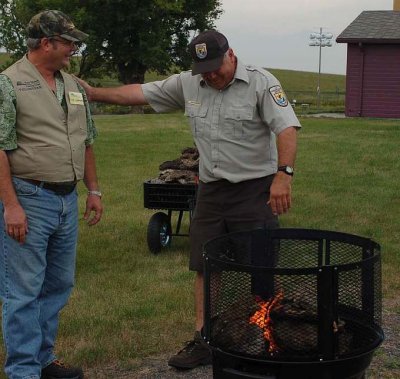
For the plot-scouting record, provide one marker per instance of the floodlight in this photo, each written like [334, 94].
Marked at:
[321, 40]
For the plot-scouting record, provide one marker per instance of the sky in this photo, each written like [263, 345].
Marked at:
[275, 33]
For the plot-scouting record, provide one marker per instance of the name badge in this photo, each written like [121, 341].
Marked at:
[75, 98]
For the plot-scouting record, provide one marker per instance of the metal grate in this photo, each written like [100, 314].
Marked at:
[317, 295]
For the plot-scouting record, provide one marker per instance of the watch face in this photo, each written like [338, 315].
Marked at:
[286, 169]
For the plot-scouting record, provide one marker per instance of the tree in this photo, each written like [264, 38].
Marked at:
[125, 36]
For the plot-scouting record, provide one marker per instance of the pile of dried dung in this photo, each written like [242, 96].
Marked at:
[183, 170]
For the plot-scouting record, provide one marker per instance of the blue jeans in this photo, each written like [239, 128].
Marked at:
[36, 278]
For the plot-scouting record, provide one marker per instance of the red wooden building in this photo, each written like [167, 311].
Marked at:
[373, 64]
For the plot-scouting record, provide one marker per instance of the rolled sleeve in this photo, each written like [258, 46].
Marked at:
[277, 115]
[165, 95]
[8, 132]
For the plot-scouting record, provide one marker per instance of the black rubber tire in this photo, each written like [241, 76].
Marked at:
[159, 232]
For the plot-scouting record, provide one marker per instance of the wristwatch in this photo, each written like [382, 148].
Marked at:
[287, 170]
[96, 193]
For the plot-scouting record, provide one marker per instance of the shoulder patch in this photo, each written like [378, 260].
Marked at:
[278, 95]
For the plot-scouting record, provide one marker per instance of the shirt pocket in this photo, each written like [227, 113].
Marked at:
[237, 119]
[197, 117]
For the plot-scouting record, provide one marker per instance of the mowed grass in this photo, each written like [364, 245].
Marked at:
[129, 304]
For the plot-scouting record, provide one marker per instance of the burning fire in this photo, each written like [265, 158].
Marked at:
[263, 320]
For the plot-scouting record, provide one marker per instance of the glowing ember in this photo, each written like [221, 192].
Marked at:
[263, 320]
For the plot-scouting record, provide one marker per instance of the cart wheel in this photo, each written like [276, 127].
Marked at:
[159, 232]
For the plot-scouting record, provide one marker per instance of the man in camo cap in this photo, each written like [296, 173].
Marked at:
[46, 137]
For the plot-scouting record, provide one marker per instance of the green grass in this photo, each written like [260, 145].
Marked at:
[130, 304]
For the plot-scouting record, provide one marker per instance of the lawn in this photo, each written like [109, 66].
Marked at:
[129, 304]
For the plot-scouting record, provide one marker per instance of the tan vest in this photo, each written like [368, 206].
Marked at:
[51, 144]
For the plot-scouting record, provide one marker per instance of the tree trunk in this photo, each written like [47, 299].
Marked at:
[132, 73]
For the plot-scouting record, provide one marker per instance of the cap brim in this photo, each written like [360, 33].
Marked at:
[75, 35]
[207, 66]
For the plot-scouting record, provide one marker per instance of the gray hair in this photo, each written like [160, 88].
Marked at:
[33, 43]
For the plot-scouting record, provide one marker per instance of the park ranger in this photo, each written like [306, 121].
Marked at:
[245, 131]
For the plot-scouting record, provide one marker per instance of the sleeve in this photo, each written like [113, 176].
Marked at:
[91, 128]
[165, 95]
[275, 109]
[8, 114]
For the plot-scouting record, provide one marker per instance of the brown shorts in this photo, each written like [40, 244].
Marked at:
[223, 207]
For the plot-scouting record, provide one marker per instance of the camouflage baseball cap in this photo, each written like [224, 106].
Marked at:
[52, 23]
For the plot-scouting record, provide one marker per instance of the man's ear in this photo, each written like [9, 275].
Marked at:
[45, 43]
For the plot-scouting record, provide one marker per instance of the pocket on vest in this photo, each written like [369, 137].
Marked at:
[43, 160]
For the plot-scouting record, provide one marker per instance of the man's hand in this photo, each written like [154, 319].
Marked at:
[94, 210]
[16, 223]
[87, 87]
[280, 198]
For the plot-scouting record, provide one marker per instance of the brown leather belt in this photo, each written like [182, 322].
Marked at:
[62, 188]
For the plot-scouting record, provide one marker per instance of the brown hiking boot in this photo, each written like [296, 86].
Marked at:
[195, 353]
[57, 370]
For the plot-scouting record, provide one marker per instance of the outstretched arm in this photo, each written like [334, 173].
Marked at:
[130, 94]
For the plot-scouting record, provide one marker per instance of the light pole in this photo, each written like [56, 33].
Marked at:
[321, 40]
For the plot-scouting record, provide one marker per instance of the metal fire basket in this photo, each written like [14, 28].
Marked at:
[292, 304]
[172, 197]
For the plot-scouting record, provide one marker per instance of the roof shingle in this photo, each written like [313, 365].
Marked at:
[373, 27]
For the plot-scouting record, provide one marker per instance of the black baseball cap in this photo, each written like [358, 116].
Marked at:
[207, 51]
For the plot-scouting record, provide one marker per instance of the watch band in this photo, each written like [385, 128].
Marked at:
[288, 170]
[96, 193]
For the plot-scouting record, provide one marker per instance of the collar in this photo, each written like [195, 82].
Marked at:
[241, 72]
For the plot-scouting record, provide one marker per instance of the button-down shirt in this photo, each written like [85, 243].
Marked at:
[8, 114]
[234, 128]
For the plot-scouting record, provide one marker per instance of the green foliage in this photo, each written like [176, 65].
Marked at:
[126, 36]
[11, 28]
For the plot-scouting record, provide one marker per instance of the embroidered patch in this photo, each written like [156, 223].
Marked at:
[278, 95]
[201, 50]
[30, 85]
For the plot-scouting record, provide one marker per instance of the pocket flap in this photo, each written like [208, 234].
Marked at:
[192, 110]
[239, 113]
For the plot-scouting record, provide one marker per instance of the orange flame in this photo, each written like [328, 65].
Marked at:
[263, 320]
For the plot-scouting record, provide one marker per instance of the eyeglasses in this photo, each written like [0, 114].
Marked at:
[71, 44]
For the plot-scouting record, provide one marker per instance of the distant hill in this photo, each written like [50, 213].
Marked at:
[292, 81]
[302, 81]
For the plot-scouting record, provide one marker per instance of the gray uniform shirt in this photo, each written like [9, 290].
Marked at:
[234, 129]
